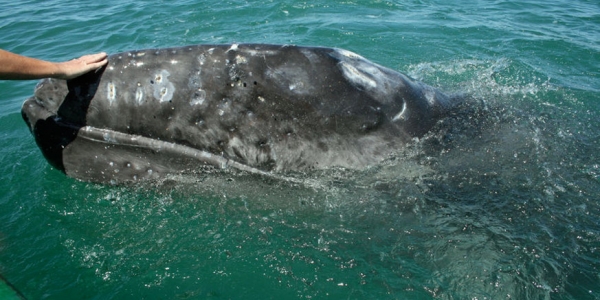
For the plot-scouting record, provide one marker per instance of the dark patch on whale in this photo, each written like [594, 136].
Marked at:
[266, 109]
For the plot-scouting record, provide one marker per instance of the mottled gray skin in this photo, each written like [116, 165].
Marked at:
[266, 109]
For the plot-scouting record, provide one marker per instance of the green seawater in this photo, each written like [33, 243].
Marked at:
[498, 202]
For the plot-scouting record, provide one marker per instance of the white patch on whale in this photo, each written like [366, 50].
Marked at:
[434, 98]
[109, 138]
[111, 92]
[202, 59]
[430, 96]
[402, 115]
[362, 73]
[198, 97]
[358, 77]
[297, 85]
[163, 88]
[313, 58]
[349, 54]
[241, 60]
[139, 95]
[233, 47]
[291, 77]
[259, 52]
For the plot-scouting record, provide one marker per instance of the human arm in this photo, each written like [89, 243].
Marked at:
[16, 67]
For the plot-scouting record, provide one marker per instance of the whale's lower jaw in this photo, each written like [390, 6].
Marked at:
[105, 156]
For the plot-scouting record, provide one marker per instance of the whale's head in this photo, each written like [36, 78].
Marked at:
[56, 112]
[260, 107]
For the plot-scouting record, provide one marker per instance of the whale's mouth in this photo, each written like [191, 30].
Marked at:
[51, 135]
[26, 113]
[49, 95]
[47, 116]
[33, 110]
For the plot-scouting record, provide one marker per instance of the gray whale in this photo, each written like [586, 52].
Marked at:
[266, 109]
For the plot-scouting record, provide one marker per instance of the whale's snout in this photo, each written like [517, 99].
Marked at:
[33, 111]
[48, 96]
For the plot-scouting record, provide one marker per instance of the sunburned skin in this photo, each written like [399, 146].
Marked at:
[267, 109]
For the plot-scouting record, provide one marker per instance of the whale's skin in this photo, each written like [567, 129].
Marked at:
[267, 109]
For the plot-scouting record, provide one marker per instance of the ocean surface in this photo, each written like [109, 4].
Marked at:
[499, 201]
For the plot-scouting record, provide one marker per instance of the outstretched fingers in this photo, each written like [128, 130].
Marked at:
[82, 65]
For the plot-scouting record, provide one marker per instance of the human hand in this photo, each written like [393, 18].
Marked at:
[79, 66]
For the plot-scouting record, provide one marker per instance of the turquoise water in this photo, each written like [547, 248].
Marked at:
[499, 202]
